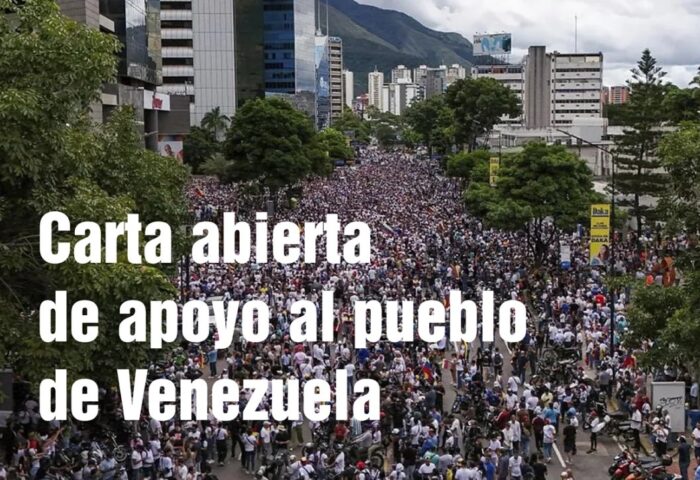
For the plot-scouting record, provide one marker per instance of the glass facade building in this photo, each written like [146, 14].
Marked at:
[323, 82]
[249, 51]
[137, 24]
[289, 46]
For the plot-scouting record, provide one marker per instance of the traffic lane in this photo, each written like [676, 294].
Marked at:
[593, 466]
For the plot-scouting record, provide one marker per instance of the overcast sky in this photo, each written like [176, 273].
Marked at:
[620, 29]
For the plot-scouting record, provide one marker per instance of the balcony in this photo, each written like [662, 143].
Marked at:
[178, 71]
[178, 52]
[176, 33]
[176, 15]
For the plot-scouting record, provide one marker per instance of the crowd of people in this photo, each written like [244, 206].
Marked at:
[486, 410]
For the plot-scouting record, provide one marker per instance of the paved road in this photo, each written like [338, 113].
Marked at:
[584, 466]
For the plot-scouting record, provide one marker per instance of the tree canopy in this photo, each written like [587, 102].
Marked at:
[478, 104]
[271, 143]
[539, 185]
[54, 158]
[638, 165]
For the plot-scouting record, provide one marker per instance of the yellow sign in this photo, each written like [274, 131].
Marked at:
[600, 234]
[494, 165]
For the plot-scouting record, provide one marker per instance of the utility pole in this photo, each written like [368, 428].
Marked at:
[611, 273]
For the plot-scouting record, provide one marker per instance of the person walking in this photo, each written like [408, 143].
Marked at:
[683, 457]
[548, 433]
[570, 441]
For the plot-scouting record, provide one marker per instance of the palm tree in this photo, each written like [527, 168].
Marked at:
[216, 122]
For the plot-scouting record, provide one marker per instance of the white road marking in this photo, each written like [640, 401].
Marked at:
[558, 454]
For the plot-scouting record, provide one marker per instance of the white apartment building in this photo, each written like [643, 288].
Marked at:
[576, 85]
[375, 85]
[455, 72]
[397, 97]
[349, 88]
[401, 74]
[554, 88]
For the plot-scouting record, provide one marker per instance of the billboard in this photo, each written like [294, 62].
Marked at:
[670, 396]
[171, 146]
[493, 44]
[600, 234]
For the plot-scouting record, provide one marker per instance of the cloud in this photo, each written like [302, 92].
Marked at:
[620, 29]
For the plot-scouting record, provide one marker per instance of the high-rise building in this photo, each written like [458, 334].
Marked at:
[555, 88]
[214, 58]
[455, 72]
[401, 74]
[435, 81]
[137, 26]
[323, 82]
[420, 75]
[576, 84]
[199, 59]
[616, 95]
[510, 76]
[349, 88]
[289, 46]
[249, 52]
[335, 46]
[399, 96]
[375, 85]
[178, 52]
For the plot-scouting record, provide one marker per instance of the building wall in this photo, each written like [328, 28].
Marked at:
[375, 85]
[536, 94]
[178, 54]
[83, 11]
[349, 88]
[435, 81]
[249, 50]
[323, 81]
[576, 85]
[214, 58]
[401, 74]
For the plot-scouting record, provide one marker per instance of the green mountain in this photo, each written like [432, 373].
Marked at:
[385, 38]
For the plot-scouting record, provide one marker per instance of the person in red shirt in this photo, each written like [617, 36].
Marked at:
[341, 431]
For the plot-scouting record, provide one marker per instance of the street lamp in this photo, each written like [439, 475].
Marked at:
[612, 240]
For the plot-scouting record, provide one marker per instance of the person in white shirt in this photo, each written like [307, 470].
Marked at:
[137, 463]
[266, 438]
[166, 466]
[514, 466]
[548, 432]
[339, 463]
[427, 468]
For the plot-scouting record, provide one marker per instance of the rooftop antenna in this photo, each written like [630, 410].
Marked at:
[575, 33]
[328, 32]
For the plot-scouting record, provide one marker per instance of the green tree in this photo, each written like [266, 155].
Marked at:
[680, 154]
[462, 164]
[682, 104]
[216, 165]
[638, 165]
[335, 144]
[352, 125]
[539, 186]
[269, 142]
[54, 158]
[478, 104]
[216, 122]
[200, 145]
[429, 119]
